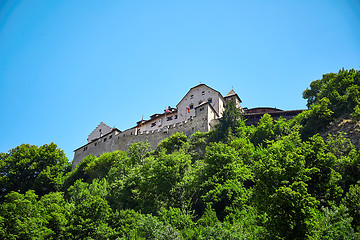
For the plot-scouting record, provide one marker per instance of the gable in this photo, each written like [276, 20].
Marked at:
[101, 130]
[193, 90]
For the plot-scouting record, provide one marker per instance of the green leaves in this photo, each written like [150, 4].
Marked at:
[341, 89]
[28, 167]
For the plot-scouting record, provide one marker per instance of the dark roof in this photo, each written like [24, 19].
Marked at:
[265, 109]
[202, 84]
[282, 112]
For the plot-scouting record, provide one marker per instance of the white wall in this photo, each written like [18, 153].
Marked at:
[160, 122]
[99, 131]
[196, 95]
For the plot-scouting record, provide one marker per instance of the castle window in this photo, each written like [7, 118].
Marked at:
[95, 144]
[100, 130]
[153, 124]
[169, 118]
[203, 93]
[191, 106]
[210, 100]
[175, 116]
[110, 137]
[104, 139]
[192, 96]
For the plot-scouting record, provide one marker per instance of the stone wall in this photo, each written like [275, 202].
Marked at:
[121, 141]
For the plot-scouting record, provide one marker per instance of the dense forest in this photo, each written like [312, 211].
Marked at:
[277, 180]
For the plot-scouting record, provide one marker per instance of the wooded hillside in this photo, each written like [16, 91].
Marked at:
[277, 180]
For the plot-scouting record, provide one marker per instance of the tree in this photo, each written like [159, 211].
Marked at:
[27, 167]
[228, 123]
[352, 202]
[222, 179]
[91, 216]
[342, 90]
[173, 143]
[22, 217]
[280, 190]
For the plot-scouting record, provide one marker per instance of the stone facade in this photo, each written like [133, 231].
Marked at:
[204, 120]
[198, 111]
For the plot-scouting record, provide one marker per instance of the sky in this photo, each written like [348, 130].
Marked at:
[66, 66]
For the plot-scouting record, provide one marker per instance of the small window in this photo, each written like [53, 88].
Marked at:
[175, 116]
[105, 139]
[153, 124]
[210, 100]
[95, 144]
[203, 93]
[192, 96]
[191, 106]
[110, 137]
[100, 130]
[169, 118]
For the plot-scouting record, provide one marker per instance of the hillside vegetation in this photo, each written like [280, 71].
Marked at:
[277, 180]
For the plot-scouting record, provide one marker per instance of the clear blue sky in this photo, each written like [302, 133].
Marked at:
[67, 65]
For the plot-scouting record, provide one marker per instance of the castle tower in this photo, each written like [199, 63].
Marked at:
[232, 96]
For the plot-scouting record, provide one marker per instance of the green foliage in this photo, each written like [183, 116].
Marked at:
[138, 151]
[314, 120]
[92, 213]
[352, 202]
[22, 218]
[30, 167]
[231, 116]
[356, 113]
[173, 143]
[342, 90]
[228, 123]
[324, 178]
[334, 223]
[280, 190]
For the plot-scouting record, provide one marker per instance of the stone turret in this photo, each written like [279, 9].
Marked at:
[232, 96]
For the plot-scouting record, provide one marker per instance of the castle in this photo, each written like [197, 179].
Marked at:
[198, 111]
